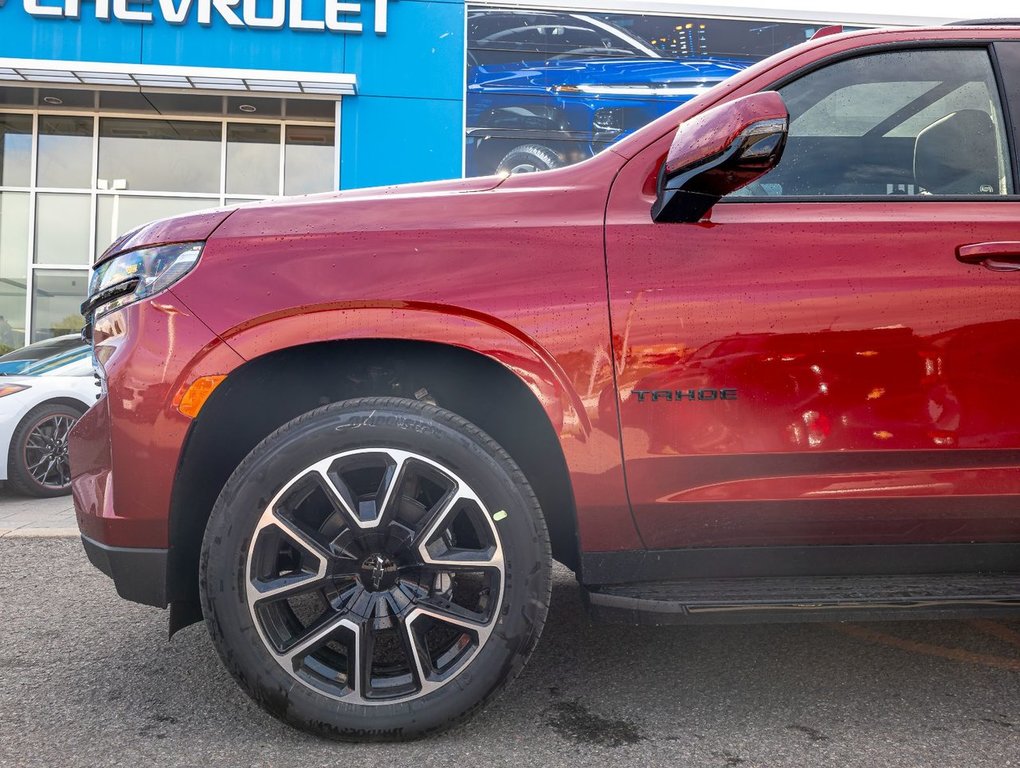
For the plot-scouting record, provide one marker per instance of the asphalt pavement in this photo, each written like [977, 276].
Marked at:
[89, 680]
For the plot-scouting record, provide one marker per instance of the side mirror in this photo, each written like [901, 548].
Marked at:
[718, 152]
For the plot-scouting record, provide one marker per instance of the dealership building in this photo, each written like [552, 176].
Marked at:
[116, 112]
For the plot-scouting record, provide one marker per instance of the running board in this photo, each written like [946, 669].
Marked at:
[799, 598]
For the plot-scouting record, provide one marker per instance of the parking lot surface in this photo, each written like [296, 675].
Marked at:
[89, 680]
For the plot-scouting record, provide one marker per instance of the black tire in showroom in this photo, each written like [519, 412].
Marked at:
[529, 158]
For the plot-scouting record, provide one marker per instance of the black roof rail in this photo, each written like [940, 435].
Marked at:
[985, 23]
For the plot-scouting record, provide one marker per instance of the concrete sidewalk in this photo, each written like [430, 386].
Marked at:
[25, 517]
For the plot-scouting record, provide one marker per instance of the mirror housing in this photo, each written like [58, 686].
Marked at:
[718, 152]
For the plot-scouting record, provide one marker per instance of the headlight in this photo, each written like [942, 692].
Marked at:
[138, 274]
[608, 123]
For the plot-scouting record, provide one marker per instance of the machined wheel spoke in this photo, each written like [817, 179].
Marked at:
[344, 499]
[363, 659]
[468, 560]
[418, 656]
[315, 548]
[286, 587]
[446, 615]
[440, 518]
[339, 495]
[318, 637]
[395, 481]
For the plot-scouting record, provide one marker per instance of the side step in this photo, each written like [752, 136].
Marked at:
[800, 598]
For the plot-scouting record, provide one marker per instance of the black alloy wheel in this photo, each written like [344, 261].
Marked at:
[37, 463]
[359, 561]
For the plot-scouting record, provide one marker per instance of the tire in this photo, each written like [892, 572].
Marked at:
[42, 437]
[529, 158]
[375, 570]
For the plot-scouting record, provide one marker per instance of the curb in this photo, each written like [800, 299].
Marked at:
[39, 533]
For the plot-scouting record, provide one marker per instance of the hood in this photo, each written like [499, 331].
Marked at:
[202, 224]
[423, 189]
[603, 71]
[366, 207]
[175, 229]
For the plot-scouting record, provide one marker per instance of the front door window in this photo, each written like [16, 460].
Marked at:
[916, 123]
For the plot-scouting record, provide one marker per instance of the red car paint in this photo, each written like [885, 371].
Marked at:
[873, 368]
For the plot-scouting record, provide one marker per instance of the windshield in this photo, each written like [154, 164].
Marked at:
[74, 362]
[43, 349]
[522, 35]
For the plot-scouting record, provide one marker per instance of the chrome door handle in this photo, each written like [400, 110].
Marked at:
[998, 257]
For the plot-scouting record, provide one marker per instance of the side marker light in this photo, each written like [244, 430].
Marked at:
[190, 399]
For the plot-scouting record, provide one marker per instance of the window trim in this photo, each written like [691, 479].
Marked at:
[1008, 106]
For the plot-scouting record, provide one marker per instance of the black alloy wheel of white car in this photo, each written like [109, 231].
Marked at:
[376, 569]
[37, 460]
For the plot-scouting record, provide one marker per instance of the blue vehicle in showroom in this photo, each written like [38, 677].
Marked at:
[548, 89]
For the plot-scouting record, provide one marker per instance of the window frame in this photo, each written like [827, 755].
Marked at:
[1009, 92]
[1010, 125]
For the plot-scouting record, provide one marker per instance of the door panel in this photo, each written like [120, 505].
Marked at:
[846, 369]
[820, 371]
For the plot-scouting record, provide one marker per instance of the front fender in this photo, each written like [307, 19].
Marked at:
[425, 322]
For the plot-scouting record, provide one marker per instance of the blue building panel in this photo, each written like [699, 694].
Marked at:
[220, 45]
[87, 39]
[391, 140]
[420, 56]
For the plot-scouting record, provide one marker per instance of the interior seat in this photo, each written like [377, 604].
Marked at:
[958, 155]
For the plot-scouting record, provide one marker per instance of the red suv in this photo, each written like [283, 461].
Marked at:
[757, 367]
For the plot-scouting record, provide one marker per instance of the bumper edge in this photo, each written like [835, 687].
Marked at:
[139, 574]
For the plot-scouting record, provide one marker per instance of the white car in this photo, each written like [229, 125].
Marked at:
[38, 407]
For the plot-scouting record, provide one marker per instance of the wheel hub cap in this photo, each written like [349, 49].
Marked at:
[378, 573]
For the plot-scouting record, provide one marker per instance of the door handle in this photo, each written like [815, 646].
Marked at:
[998, 257]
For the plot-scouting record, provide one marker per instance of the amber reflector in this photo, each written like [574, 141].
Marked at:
[191, 398]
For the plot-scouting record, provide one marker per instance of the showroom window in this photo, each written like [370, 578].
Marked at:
[911, 123]
[73, 179]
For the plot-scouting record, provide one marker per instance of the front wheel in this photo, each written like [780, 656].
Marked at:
[375, 569]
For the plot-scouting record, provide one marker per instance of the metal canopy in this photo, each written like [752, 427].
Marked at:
[151, 77]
